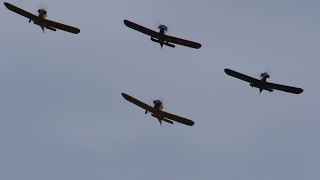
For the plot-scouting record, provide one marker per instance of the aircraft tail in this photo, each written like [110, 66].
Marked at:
[169, 44]
[51, 28]
[165, 43]
[48, 27]
[167, 120]
[164, 119]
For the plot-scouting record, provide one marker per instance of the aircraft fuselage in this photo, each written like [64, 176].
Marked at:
[161, 37]
[261, 85]
[157, 105]
[40, 21]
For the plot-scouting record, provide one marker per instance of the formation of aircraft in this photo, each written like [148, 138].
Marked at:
[157, 112]
[262, 84]
[41, 20]
[161, 37]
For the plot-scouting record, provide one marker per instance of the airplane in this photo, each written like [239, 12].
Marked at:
[41, 20]
[161, 37]
[262, 84]
[157, 112]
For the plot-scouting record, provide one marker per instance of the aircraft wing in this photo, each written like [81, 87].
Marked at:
[161, 113]
[284, 88]
[182, 42]
[137, 102]
[176, 118]
[241, 76]
[20, 11]
[140, 28]
[62, 27]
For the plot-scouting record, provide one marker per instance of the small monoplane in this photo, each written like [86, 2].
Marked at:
[262, 84]
[156, 111]
[161, 37]
[41, 20]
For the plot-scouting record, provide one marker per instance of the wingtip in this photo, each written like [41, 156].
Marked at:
[6, 4]
[124, 95]
[199, 46]
[226, 70]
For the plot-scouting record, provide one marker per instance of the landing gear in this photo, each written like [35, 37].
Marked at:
[146, 112]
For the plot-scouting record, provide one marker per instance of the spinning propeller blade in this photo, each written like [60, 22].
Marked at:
[43, 6]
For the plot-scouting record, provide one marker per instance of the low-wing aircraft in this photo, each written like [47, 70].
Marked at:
[156, 111]
[161, 37]
[262, 84]
[41, 20]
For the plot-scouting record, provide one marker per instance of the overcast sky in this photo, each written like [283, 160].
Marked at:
[63, 116]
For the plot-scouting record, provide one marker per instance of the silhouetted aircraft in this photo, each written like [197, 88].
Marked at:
[41, 20]
[160, 37]
[156, 111]
[262, 84]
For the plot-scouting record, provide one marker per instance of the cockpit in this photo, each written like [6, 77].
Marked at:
[265, 75]
[163, 27]
[42, 12]
[158, 104]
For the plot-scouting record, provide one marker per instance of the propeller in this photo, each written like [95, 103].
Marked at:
[43, 6]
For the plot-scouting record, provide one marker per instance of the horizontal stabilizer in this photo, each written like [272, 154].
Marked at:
[50, 28]
[165, 43]
[168, 121]
[170, 45]
[164, 119]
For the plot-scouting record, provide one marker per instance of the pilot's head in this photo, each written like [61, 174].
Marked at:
[163, 27]
[157, 102]
[265, 75]
[42, 11]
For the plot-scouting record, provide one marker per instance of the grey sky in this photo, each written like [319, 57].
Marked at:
[63, 116]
